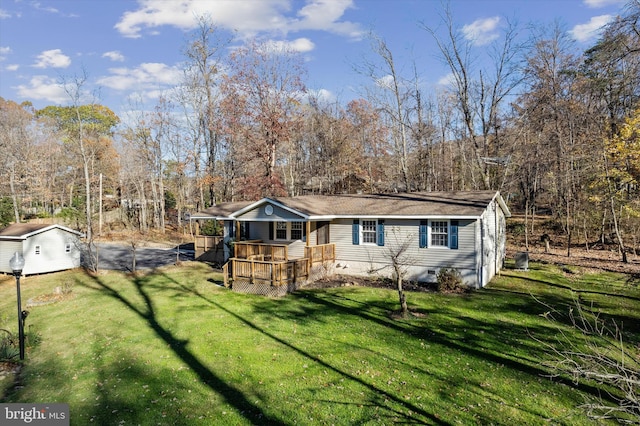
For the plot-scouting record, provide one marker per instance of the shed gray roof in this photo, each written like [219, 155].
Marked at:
[25, 230]
[414, 204]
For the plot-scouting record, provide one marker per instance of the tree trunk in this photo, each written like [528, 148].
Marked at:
[401, 296]
[14, 198]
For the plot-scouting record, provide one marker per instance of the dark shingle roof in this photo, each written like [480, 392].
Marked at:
[462, 203]
[20, 229]
[24, 230]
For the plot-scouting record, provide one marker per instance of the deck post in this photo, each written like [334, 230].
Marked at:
[273, 273]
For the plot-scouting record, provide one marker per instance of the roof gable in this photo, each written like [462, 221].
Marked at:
[268, 209]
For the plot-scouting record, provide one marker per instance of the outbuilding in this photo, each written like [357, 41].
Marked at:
[45, 247]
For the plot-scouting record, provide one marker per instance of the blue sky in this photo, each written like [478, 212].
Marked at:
[134, 48]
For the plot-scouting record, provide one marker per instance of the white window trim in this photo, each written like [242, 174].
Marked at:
[288, 236]
[429, 232]
[375, 232]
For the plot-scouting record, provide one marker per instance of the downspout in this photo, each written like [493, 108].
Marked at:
[496, 241]
[481, 280]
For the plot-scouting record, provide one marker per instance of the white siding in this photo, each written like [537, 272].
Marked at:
[7, 248]
[422, 263]
[53, 256]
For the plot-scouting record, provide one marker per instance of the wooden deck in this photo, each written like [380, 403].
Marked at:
[266, 268]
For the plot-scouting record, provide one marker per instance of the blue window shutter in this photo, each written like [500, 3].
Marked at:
[453, 238]
[381, 232]
[355, 232]
[423, 233]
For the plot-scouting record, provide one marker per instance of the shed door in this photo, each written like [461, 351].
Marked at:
[322, 232]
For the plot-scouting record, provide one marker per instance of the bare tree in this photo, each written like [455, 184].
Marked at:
[15, 142]
[600, 355]
[200, 98]
[480, 96]
[391, 94]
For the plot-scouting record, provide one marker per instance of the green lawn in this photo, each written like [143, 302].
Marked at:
[174, 348]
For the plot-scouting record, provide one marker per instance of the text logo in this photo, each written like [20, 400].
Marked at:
[34, 414]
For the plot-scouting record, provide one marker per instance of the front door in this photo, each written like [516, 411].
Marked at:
[322, 233]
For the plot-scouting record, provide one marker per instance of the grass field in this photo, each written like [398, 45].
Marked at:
[174, 348]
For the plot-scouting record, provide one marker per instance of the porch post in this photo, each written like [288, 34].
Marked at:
[226, 237]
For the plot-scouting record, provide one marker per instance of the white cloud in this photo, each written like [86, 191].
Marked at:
[385, 82]
[602, 3]
[52, 59]
[4, 14]
[4, 51]
[246, 17]
[38, 6]
[447, 80]
[301, 45]
[590, 30]
[12, 67]
[322, 96]
[324, 15]
[45, 88]
[482, 31]
[147, 75]
[114, 55]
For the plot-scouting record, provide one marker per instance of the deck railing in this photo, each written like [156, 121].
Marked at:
[275, 273]
[320, 253]
[257, 250]
[255, 262]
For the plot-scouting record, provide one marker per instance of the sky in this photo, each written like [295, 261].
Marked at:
[130, 49]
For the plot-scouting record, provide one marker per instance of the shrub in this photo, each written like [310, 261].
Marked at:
[449, 280]
[210, 227]
[9, 350]
[516, 229]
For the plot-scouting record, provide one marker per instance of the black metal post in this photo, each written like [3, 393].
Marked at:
[20, 319]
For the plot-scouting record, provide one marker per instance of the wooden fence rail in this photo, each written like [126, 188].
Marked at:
[273, 273]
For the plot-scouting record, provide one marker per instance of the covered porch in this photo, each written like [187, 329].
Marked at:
[267, 247]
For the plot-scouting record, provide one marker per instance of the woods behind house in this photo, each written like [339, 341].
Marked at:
[555, 130]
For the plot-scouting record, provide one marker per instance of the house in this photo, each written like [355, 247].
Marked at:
[358, 234]
[45, 248]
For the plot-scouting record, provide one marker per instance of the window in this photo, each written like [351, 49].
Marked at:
[438, 233]
[67, 248]
[289, 230]
[281, 230]
[296, 230]
[37, 250]
[368, 231]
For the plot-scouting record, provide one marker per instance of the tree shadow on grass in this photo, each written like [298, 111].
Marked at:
[467, 340]
[147, 313]
[381, 394]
